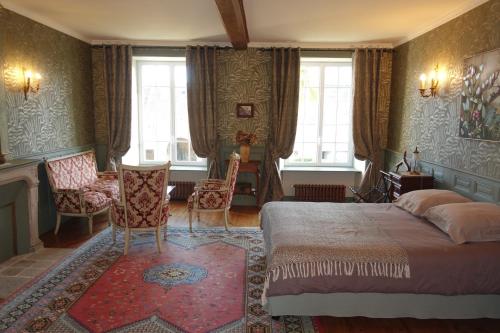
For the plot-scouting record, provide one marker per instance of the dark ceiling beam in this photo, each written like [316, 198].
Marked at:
[233, 16]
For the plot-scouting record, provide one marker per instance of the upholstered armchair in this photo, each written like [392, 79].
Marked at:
[78, 188]
[215, 195]
[143, 203]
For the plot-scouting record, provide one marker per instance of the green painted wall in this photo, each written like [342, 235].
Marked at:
[432, 123]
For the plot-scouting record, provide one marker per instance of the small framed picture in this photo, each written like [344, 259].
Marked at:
[244, 110]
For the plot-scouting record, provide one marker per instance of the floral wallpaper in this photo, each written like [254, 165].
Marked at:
[100, 118]
[433, 123]
[243, 77]
[60, 115]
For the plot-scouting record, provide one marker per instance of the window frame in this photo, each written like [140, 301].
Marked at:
[138, 62]
[322, 63]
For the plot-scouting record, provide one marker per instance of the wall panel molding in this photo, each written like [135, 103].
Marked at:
[478, 188]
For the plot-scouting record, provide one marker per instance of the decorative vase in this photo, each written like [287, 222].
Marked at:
[244, 153]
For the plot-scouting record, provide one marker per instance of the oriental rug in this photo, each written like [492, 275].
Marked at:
[207, 281]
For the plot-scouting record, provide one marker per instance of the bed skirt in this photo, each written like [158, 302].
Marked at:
[379, 305]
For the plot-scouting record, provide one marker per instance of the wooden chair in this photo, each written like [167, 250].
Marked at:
[143, 204]
[215, 195]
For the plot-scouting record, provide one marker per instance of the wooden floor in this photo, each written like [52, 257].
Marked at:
[74, 232]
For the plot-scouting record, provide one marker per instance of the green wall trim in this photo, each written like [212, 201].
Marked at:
[476, 187]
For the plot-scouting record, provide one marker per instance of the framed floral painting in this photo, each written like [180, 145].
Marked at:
[480, 102]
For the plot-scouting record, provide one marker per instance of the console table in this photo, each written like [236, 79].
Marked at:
[403, 182]
[252, 167]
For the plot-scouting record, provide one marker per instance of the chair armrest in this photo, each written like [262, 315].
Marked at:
[203, 182]
[69, 200]
[211, 198]
[109, 175]
[212, 188]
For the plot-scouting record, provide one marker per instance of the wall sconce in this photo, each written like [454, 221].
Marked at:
[31, 83]
[435, 77]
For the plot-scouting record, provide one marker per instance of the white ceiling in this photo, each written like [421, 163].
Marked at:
[270, 22]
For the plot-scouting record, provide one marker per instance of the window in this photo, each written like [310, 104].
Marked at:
[324, 125]
[160, 128]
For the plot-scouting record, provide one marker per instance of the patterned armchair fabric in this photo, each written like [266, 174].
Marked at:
[72, 172]
[77, 187]
[76, 201]
[143, 203]
[118, 214]
[143, 195]
[215, 194]
[73, 176]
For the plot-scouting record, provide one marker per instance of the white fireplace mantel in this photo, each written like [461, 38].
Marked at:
[27, 171]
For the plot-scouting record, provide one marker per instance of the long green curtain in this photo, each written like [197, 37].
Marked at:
[283, 120]
[202, 101]
[118, 90]
[372, 88]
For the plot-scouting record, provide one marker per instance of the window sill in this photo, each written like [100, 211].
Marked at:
[319, 169]
[188, 168]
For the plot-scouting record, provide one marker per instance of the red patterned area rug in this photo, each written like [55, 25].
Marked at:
[208, 281]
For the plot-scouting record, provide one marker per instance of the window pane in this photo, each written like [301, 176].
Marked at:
[324, 121]
[345, 75]
[342, 147]
[156, 151]
[343, 133]
[296, 156]
[181, 114]
[309, 105]
[310, 76]
[329, 133]
[331, 75]
[180, 76]
[328, 153]
[344, 105]
[155, 114]
[341, 157]
[155, 75]
[309, 153]
[162, 130]
[330, 106]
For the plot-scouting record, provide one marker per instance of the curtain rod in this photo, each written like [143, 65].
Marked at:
[257, 48]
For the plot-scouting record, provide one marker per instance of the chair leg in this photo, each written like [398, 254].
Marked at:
[58, 223]
[198, 216]
[113, 228]
[109, 216]
[165, 232]
[158, 239]
[226, 218]
[190, 220]
[91, 222]
[127, 240]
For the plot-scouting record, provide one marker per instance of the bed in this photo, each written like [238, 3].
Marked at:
[373, 260]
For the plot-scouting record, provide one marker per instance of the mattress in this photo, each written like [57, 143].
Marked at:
[436, 264]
